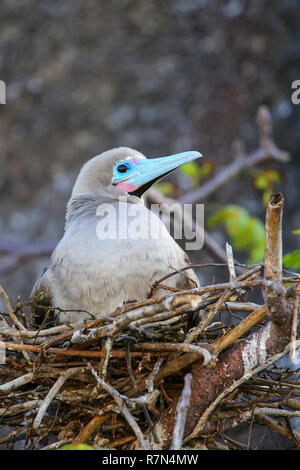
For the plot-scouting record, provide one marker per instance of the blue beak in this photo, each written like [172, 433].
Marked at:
[142, 173]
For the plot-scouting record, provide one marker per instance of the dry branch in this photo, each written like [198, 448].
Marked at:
[182, 410]
[53, 392]
[274, 292]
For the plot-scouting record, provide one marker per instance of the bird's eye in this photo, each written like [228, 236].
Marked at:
[123, 167]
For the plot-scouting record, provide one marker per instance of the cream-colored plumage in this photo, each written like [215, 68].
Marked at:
[97, 275]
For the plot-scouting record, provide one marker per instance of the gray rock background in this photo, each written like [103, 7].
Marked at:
[161, 77]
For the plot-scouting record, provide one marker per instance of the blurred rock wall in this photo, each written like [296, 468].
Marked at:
[162, 77]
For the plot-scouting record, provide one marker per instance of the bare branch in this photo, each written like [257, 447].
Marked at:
[16, 383]
[20, 407]
[273, 290]
[10, 310]
[295, 325]
[181, 413]
[52, 392]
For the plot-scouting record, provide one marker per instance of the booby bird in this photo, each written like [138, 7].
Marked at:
[96, 268]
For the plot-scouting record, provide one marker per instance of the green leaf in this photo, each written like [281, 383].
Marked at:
[261, 181]
[190, 169]
[77, 447]
[246, 233]
[292, 260]
[165, 188]
[197, 173]
[265, 180]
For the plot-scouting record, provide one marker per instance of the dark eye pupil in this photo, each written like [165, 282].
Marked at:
[122, 168]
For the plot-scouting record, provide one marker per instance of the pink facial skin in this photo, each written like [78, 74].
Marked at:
[134, 161]
[125, 186]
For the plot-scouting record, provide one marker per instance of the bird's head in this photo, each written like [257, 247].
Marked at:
[126, 171]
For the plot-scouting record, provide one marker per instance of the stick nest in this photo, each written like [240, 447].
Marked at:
[107, 382]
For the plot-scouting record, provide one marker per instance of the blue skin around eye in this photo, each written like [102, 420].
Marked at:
[129, 168]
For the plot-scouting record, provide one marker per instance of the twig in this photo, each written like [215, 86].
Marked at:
[64, 352]
[273, 289]
[240, 306]
[239, 330]
[206, 320]
[150, 379]
[13, 434]
[20, 407]
[223, 299]
[276, 426]
[230, 261]
[16, 383]
[113, 392]
[33, 333]
[267, 411]
[52, 392]
[105, 357]
[182, 410]
[170, 368]
[10, 310]
[13, 317]
[56, 445]
[90, 428]
[159, 318]
[120, 401]
[132, 423]
[123, 440]
[294, 325]
[178, 347]
[134, 383]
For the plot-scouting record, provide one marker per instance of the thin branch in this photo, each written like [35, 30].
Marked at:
[150, 379]
[181, 413]
[177, 347]
[90, 428]
[107, 349]
[10, 310]
[273, 290]
[230, 261]
[293, 355]
[20, 407]
[33, 333]
[56, 445]
[134, 383]
[65, 352]
[120, 401]
[132, 423]
[239, 330]
[16, 383]
[52, 393]
[113, 392]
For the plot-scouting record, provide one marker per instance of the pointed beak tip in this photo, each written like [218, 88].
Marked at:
[196, 154]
